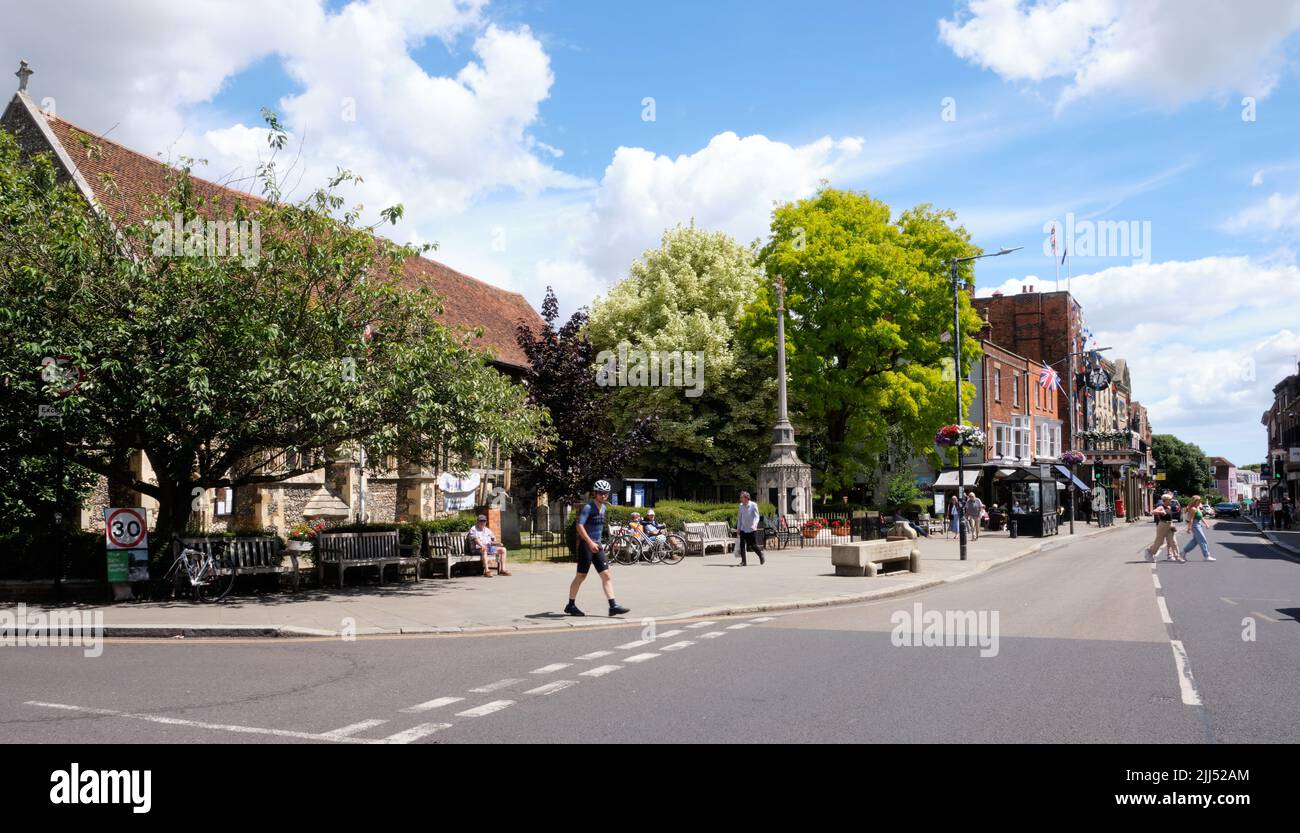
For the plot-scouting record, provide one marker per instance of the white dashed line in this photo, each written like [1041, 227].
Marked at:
[712, 634]
[550, 669]
[701, 625]
[1155, 579]
[1185, 682]
[636, 644]
[639, 657]
[737, 626]
[198, 724]
[763, 619]
[486, 708]
[551, 688]
[677, 646]
[1164, 610]
[354, 728]
[416, 732]
[1263, 616]
[668, 634]
[432, 704]
[601, 670]
[595, 655]
[497, 686]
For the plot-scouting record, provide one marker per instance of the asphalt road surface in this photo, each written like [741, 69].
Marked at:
[1074, 647]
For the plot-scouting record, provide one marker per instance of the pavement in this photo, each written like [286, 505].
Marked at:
[1287, 540]
[534, 596]
[1086, 643]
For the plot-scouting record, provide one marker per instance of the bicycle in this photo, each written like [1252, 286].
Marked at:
[208, 575]
[666, 548]
[624, 547]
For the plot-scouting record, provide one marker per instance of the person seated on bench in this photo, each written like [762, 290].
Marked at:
[635, 526]
[485, 546]
[654, 530]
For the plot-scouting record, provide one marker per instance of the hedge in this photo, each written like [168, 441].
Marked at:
[29, 556]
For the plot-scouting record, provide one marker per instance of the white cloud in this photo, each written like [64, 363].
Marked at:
[1205, 340]
[1257, 180]
[729, 185]
[1170, 51]
[1278, 212]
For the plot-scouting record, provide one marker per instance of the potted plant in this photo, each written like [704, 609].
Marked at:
[812, 528]
[302, 536]
[840, 527]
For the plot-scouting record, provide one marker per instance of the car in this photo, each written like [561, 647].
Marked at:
[1227, 510]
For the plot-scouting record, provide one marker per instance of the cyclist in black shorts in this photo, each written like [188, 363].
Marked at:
[591, 523]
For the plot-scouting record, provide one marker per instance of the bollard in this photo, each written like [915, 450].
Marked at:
[1013, 526]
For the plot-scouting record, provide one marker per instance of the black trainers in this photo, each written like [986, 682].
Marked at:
[615, 610]
[572, 610]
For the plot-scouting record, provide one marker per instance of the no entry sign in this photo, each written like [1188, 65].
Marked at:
[126, 529]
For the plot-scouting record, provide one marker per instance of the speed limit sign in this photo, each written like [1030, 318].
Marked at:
[126, 529]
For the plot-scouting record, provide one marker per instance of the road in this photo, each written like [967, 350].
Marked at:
[1083, 654]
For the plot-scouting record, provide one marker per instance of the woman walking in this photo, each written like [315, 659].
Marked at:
[954, 519]
[1196, 527]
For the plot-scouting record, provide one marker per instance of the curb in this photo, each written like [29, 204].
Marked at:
[294, 631]
[1272, 539]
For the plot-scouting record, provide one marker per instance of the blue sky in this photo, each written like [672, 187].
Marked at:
[513, 132]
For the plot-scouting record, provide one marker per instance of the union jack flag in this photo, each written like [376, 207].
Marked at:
[1048, 379]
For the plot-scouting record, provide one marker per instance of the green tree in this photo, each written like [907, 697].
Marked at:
[869, 300]
[690, 295]
[222, 368]
[1186, 468]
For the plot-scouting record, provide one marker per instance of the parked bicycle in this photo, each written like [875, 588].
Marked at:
[206, 576]
[665, 548]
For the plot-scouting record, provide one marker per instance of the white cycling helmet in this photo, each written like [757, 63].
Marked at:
[601, 486]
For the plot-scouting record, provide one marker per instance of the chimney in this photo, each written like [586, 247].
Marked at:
[986, 326]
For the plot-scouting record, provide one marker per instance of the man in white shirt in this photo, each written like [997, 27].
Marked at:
[487, 547]
[747, 525]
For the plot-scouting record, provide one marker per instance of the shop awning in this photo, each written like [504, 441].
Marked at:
[948, 479]
[1069, 476]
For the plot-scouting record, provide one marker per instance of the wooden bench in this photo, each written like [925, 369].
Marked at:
[450, 548]
[869, 557]
[700, 536]
[251, 556]
[364, 549]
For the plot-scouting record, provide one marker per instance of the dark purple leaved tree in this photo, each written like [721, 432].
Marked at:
[562, 379]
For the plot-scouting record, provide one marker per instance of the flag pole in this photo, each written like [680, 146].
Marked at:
[1056, 285]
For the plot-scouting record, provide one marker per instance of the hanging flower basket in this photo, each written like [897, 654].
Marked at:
[840, 528]
[1072, 458]
[965, 436]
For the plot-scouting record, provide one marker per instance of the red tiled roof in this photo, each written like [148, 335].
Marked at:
[135, 179]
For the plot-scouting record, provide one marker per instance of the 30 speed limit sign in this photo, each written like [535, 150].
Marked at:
[126, 529]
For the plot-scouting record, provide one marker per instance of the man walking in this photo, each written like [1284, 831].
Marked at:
[1166, 513]
[589, 528]
[747, 526]
[974, 509]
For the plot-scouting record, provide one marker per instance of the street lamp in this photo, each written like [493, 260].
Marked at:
[956, 347]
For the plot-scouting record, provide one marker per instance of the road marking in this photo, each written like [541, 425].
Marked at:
[1226, 599]
[636, 644]
[1185, 682]
[712, 634]
[639, 657]
[198, 724]
[1155, 579]
[416, 732]
[1164, 610]
[600, 671]
[354, 728]
[486, 708]
[595, 655]
[677, 646]
[1263, 616]
[551, 688]
[497, 686]
[763, 619]
[432, 704]
[737, 626]
[667, 634]
[701, 625]
[548, 669]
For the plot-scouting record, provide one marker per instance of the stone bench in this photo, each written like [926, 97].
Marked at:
[868, 557]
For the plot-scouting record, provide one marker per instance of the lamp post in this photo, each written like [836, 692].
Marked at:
[956, 348]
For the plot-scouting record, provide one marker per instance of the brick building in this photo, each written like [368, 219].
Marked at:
[1282, 426]
[123, 181]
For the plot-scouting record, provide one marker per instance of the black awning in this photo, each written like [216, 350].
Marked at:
[1069, 477]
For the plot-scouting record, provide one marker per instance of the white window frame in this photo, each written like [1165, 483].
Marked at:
[1021, 439]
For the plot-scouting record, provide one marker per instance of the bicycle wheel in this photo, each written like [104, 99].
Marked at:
[673, 549]
[625, 549]
[220, 581]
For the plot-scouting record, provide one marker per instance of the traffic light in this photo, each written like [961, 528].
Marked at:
[1267, 471]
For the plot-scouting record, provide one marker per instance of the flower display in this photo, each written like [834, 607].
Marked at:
[304, 531]
[1072, 457]
[960, 435]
